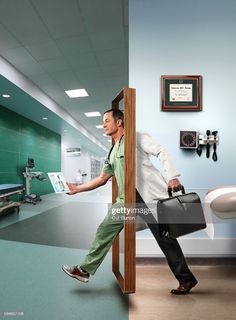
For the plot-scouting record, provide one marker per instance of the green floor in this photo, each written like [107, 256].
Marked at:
[33, 286]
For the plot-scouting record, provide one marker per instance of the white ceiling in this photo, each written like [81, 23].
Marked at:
[69, 44]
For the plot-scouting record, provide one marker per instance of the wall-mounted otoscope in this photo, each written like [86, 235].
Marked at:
[214, 156]
[194, 140]
[208, 132]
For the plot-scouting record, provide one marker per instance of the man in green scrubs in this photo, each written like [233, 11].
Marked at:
[113, 223]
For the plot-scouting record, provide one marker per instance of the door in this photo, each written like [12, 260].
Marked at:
[127, 280]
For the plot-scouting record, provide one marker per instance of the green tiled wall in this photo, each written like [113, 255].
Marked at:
[21, 138]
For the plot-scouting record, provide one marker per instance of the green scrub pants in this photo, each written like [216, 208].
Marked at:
[106, 233]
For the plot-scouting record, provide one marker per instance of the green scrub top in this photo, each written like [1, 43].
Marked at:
[115, 165]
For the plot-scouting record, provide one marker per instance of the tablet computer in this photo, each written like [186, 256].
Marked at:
[58, 182]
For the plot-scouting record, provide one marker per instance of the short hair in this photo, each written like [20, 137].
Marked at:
[117, 114]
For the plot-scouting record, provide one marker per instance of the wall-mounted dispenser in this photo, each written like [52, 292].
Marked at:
[195, 140]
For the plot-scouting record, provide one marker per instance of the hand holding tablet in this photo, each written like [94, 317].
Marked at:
[58, 182]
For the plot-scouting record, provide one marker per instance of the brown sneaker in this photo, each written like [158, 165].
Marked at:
[77, 273]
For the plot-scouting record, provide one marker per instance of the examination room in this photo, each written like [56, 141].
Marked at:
[117, 159]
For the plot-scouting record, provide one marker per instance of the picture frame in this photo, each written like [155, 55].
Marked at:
[181, 93]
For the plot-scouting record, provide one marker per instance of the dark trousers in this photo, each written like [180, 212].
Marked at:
[170, 247]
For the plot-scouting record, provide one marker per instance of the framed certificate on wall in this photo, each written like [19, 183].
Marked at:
[181, 93]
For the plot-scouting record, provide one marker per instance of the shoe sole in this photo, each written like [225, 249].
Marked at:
[82, 279]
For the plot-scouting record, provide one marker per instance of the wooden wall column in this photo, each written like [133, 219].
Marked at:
[128, 281]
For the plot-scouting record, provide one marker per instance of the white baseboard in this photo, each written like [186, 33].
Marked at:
[219, 247]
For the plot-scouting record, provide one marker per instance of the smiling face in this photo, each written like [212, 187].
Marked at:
[110, 125]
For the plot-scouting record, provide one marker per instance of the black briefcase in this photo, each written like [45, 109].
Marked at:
[180, 215]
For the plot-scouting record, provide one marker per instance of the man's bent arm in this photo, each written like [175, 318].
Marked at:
[150, 146]
[91, 185]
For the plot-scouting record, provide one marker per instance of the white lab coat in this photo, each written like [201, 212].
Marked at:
[151, 184]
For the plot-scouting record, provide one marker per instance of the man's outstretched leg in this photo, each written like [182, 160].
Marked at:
[105, 235]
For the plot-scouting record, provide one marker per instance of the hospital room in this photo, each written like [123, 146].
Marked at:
[117, 159]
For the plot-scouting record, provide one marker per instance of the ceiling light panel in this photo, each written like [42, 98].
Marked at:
[92, 114]
[76, 93]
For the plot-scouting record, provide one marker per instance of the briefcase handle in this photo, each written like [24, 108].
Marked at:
[170, 191]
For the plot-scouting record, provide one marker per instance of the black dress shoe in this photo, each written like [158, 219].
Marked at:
[184, 288]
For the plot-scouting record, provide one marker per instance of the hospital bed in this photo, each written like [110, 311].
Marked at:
[6, 191]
